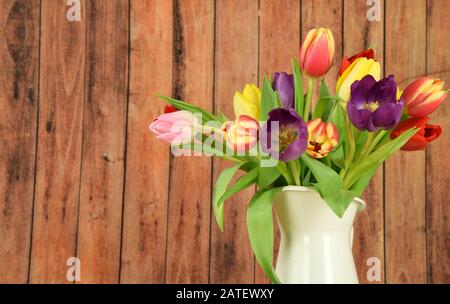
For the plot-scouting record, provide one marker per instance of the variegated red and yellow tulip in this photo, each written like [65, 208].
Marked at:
[423, 96]
[322, 138]
[242, 134]
[317, 52]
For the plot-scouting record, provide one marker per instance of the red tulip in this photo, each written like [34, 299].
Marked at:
[346, 62]
[170, 109]
[421, 139]
[423, 96]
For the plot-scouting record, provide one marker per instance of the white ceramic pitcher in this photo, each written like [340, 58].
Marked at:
[315, 245]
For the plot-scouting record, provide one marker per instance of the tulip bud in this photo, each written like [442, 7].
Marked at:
[357, 70]
[322, 138]
[423, 96]
[422, 138]
[317, 52]
[242, 134]
[283, 83]
[175, 127]
[248, 102]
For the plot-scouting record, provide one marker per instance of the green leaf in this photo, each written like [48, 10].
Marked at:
[337, 156]
[181, 105]
[222, 117]
[298, 87]
[268, 99]
[329, 185]
[360, 142]
[243, 182]
[339, 119]
[377, 157]
[325, 104]
[307, 178]
[360, 185]
[267, 175]
[220, 188]
[260, 230]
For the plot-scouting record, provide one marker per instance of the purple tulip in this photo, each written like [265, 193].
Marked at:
[285, 135]
[373, 105]
[284, 84]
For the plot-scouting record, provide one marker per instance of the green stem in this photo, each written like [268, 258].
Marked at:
[295, 170]
[372, 141]
[351, 152]
[282, 167]
[366, 148]
[308, 98]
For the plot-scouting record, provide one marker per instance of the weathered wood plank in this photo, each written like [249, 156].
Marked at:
[359, 34]
[190, 180]
[103, 141]
[147, 179]
[19, 59]
[279, 43]
[61, 99]
[236, 64]
[438, 179]
[405, 172]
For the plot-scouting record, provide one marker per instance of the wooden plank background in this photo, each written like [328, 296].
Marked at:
[81, 176]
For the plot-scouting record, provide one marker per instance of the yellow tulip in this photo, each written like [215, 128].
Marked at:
[248, 102]
[356, 71]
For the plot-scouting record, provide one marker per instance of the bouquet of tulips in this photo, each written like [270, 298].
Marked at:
[278, 138]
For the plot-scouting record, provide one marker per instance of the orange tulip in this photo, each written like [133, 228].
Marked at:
[317, 52]
[322, 138]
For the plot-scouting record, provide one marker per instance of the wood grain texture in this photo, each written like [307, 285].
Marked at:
[438, 168]
[19, 50]
[236, 64]
[405, 172]
[62, 74]
[66, 90]
[147, 180]
[100, 217]
[190, 180]
[279, 43]
[325, 13]
[359, 34]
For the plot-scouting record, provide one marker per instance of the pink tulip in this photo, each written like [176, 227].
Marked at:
[423, 96]
[317, 52]
[175, 127]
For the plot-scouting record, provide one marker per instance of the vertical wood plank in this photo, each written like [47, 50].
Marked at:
[438, 179]
[279, 43]
[103, 141]
[236, 64]
[190, 181]
[325, 13]
[147, 180]
[62, 75]
[19, 59]
[405, 172]
[359, 33]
